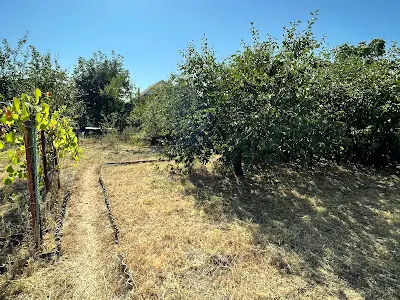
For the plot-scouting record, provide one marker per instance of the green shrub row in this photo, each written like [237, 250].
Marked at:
[270, 102]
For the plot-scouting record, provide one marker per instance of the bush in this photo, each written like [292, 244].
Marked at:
[268, 103]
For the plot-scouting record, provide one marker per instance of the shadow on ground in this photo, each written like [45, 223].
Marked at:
[342, 222]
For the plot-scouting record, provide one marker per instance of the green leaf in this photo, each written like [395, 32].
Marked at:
[24, 97]
[19, 140]
[8, 180]
[39, 118]
[16, 105]
[15, 159]
[21, 127]
[9, 169]
[1, 145]
[45, 109]
[25, 113]
[10, 137]
[38, 94]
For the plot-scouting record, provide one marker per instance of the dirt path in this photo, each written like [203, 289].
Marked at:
[88, 238]
[89, 266]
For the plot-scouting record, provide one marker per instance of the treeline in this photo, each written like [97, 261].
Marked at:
[295, 100]
[99, 91]
[289, 101]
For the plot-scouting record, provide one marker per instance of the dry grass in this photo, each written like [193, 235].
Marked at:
[327, 233]
[323, 233]
[88, 268]
[14, 227]
[343, 223]
[27, 275]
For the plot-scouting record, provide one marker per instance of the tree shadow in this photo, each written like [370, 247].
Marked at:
[341, 221]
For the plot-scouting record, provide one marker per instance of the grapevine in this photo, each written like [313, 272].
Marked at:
[13, 119]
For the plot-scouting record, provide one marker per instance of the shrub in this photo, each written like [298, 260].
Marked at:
[271, 102]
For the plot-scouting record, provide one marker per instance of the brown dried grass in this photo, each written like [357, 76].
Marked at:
[323, 233]
[180, 249]
[89, 267]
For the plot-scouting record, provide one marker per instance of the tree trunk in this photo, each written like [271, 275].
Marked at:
[237, 164]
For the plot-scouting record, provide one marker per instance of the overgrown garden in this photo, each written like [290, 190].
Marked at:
[259, 114]
[294, 100]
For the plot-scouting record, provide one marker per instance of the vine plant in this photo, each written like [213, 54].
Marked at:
[13, 118]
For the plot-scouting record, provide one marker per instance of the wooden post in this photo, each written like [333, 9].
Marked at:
[44, 160]
[33, 177]
[57, 167]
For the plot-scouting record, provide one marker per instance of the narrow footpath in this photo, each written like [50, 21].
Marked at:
[89, 267]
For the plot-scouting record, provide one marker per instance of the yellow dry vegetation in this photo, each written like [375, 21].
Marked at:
[182, 242]
[88, 267]
[327, 232]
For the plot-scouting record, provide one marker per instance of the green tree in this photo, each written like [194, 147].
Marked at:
[103, 85]
[44, 72]
[13, 67]
[151, 112]
[24, 68]
[375, 49]
[293, 101]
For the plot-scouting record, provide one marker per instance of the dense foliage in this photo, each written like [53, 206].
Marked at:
[97, 93]
[295, 100]
[13, 118]
[152, 112]
[24, 69]
[105, 88]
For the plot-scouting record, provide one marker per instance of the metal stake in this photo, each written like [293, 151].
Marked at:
[33, 177]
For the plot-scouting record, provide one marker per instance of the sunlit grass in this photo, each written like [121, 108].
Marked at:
[326, 232]
[315, 233]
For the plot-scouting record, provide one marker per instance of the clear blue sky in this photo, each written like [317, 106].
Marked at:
[150, 33]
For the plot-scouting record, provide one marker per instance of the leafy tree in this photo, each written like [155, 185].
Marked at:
[193, 107]
[45, 73]
[103, 85]
[364, 97]
[152, 112]
[374, 50]
[24, 68]
[13, 67]
[273, 102]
